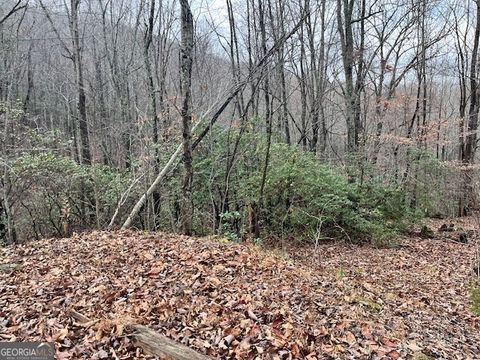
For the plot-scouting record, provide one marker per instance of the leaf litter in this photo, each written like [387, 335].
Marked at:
[235, 301]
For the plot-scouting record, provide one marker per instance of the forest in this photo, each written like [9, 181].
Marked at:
[254, 179]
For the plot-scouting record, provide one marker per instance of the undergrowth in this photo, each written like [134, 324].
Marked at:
[475, 299]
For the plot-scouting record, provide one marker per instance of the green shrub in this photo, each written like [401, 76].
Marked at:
[227, 225]
[302, 196]
[52, 191]
[475, 299]
[303, 199]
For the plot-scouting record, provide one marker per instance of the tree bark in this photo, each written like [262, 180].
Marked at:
[186, 112]
[268, 119]
[472, 125]
[81, 97]
[468, 201]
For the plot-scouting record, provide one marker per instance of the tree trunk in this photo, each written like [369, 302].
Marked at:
[468, 202]
[472, 125]
[153, 104]
[81, 102]
[186, 112]
[268, 119]
[344, 20]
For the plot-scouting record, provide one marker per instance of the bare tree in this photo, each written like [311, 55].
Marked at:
[345, 20]
[472, 125]
[186, 112]
[74, 53]
[19, 5]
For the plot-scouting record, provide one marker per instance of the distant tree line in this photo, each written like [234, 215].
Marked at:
[100, 99]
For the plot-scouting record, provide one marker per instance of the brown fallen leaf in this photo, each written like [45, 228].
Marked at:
[62, 334]
[414, 347]
[394, 354]
[148, 256]
[350, 338]
[102, 354]
[252, 315]
[214, 281]
[155, 271]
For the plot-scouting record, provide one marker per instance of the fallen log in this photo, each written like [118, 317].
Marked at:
[150, 341]
[155, 344]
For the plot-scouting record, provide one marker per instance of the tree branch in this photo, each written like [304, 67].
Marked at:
[16, 7]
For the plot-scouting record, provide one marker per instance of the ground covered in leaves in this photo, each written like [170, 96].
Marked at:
[235, 301]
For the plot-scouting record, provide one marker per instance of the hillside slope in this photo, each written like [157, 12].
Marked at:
[241, 302]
